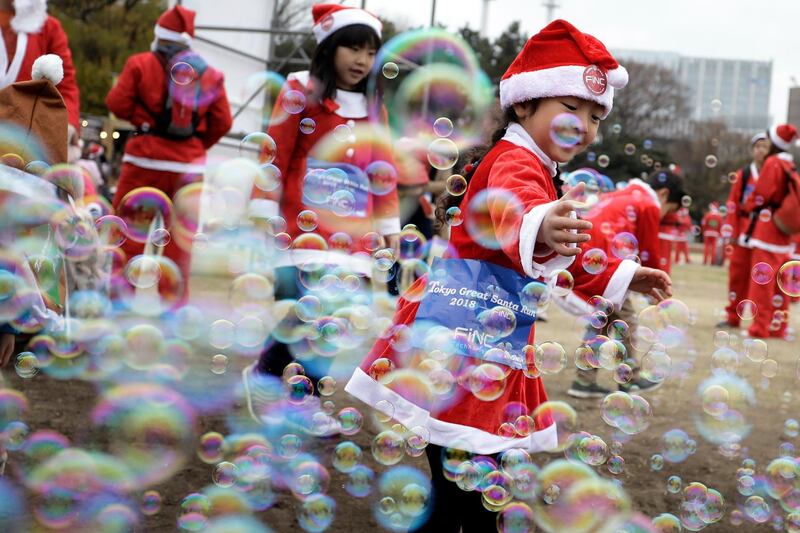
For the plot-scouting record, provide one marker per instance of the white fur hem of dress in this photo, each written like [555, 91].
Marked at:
[443, 433]
[29, 16]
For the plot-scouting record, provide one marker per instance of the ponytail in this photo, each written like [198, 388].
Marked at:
[473, 159]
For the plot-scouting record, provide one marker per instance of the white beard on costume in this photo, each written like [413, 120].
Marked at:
[30, 15]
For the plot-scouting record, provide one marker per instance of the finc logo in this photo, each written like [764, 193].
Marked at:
[595, 80]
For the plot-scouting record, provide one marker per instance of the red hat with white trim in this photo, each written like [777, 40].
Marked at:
[783, 135]
[328, 18]
[176, 24]
[561, 60]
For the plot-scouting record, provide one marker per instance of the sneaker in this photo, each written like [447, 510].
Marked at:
[267, 406]
[592, 390]
[640, 385]
[260, 392]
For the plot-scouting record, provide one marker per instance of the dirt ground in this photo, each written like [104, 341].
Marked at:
[64, 406]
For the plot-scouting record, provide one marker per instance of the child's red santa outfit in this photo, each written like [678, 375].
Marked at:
[560, 60]
[769, 244]
[737, 222]
[682, 239]
[153, 159]
[710, 226]
[668, 235]
[28, 33]
[304, 158]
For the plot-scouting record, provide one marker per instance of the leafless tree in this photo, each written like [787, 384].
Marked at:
[654, 101]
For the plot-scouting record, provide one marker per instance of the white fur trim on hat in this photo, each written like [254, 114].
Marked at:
[551, 82]
[48, 67]
[760, 136]
[169, 35]
[29, 16]
[345, 17]
[777, 141]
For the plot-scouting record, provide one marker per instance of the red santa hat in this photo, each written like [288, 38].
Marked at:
[176, 24]
[561, 60]
[328, 18]
[783, 135]
[29, 16]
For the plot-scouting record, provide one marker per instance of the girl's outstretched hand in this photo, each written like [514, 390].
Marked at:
[652, 282]
[556, 231]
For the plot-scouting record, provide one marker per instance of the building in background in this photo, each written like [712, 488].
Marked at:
[794, 106]
[733, 90]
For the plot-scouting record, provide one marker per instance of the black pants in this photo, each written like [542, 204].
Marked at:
[452, 509]
[276, 355]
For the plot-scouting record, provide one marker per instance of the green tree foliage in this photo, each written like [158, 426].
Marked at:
[102, 35]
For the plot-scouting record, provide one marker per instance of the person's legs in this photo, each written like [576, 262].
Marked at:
[708, 251]
[452, 509]
[276, 354]
[738, 281]
[764, 297]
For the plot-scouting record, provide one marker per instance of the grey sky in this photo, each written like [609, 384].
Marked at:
[734, 29]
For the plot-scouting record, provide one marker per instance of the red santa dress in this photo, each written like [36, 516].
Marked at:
[464, 421]
[682, 240]
[151, 160]
[737, 222]
[771, 246]
[337, 163]
[710, 226]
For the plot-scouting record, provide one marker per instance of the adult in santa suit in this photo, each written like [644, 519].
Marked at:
[635, 211]
[737, 221]
[710, 226]
[769, 244]
[154, 158]
[28, 33]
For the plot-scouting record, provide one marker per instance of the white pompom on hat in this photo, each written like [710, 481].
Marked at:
[561, 60]
[48, 67]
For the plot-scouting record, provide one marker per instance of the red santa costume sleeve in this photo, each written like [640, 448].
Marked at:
[218, 118]
[56, 43]
[122, 99]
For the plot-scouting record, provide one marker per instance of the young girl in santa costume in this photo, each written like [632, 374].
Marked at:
[769, 244]
[328, 145]
[559, 71]
[737, 222]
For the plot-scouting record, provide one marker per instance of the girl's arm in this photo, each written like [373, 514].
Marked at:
[647, 225]
[538, 238]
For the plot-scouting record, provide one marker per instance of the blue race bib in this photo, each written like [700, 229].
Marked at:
[337, 187]
[480, 303]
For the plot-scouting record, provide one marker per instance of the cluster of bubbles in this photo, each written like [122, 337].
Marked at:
[164, 367]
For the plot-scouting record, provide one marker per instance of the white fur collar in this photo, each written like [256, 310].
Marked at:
[351, 104]
[516, 134]
[786, 156]
[653, 194]
[30, 16]
[753, 171]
